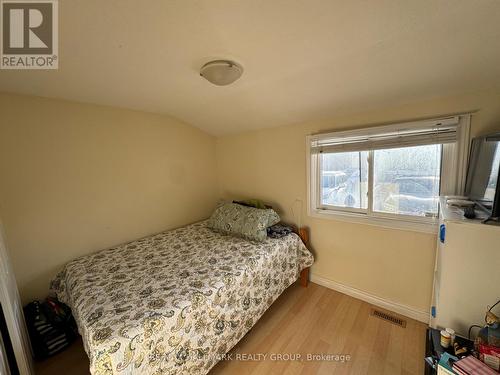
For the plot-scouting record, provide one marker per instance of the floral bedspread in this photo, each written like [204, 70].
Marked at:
[175, 302]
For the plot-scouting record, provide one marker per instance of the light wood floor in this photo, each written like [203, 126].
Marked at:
[313, 320]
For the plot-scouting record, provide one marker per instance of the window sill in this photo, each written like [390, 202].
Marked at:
[385, 222]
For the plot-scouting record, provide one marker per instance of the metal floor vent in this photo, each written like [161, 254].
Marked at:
[388, 317]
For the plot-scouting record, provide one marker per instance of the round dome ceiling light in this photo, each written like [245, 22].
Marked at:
[221, 72]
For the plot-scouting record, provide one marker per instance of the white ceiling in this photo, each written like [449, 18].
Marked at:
[303, 60]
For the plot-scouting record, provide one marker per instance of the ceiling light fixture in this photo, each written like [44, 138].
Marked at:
[221, 72]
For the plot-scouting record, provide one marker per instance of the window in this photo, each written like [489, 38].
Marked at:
[390, 175]
[406, 180]
[344, 180]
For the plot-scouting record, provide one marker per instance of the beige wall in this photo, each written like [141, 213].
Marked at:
[76, 178]
[393, 264]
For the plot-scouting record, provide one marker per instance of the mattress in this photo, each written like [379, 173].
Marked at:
[175, 302]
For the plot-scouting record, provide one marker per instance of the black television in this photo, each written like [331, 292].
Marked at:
[482, 185]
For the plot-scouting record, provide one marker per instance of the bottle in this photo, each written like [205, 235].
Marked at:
[445, 339]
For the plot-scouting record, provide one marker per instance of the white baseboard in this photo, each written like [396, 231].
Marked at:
[410, 312]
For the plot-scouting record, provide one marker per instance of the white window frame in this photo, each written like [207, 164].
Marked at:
[453, 172]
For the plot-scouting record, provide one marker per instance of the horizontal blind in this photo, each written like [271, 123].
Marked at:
[409, 134]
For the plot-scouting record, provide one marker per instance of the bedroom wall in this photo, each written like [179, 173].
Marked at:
[395, 265]
[76, 178]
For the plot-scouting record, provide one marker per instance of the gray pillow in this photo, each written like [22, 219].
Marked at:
[246, 222]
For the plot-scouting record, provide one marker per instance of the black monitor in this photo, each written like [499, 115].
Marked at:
[482, 184]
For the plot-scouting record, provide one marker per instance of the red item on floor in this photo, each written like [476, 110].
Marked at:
[490, 355]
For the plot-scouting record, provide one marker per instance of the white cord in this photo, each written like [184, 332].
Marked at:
[298, 218]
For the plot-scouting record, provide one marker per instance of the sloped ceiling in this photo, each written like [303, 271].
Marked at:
[303, 60]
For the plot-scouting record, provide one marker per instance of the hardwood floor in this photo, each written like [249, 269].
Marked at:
[305, 321]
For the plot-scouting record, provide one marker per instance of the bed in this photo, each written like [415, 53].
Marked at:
[177, 301]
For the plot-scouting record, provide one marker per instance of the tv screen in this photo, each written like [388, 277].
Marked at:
[482, 175]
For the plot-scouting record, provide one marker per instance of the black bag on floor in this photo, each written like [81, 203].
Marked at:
[51, 327]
